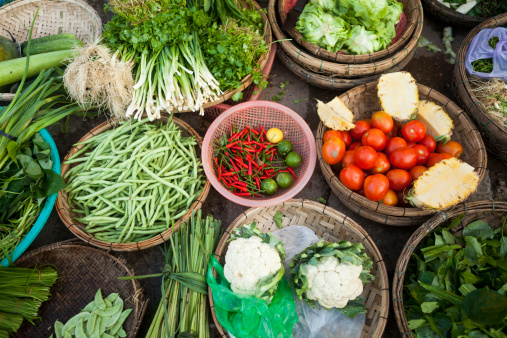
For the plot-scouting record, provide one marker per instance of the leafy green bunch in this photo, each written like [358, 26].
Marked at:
[486, 65]
[459, 285]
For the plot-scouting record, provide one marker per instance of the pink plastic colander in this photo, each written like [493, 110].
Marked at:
[269, 115]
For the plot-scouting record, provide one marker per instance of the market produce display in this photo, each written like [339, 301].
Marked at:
[351, 27]
[22, 292]
[332, 275]
[479, 8]
[133, 182]
[251, 161]
[455, 283]
[265, 253]
[402, 154]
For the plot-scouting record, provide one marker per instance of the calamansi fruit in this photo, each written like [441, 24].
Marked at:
[274, 135]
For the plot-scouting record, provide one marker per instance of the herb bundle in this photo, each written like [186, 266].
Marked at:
[486, 65]
[456, 284]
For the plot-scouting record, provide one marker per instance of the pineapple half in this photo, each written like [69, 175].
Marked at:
[438, 123]
[446, 183]
[335, 115]
[398, 95]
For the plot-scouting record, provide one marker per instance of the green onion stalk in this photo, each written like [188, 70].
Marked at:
[183, 309]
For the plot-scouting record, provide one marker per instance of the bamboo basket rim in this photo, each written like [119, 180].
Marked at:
[75, 227]
[463, 89]
[415, 240]
[380, 208]
[348, 222]
[140, 301]
[349, 58]
[451, 15]
[343, 70]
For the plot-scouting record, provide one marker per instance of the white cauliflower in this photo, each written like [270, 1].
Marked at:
[333, 284]
[331, 274]
[253, 262]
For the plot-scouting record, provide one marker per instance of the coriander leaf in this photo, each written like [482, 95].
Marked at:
[277, 218]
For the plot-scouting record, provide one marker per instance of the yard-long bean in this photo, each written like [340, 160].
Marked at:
[133, 182]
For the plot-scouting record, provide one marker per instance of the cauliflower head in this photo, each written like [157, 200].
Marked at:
[253, 262]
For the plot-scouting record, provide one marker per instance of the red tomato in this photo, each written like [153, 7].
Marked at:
[381, 165]
[333, 150]
[413, 131]
[435, 158]
[417, 171]
[365, 157]
[401, 200]
[354, 146]
[352, 177]
[411, 144]
[376, 187]
[374, 138]
[330, 133]
[361, 128]
[367, 121]
[429, 142]
[346, 138]
[394, 143]
[452, 148]
[423, 154]
[403, 158]
[381, 120]
[399, 179]
[347, 159]
[393, 133]
[390, 198]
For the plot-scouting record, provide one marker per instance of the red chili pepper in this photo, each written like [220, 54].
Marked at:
[242, 164]
[269, 171]
[250, 150]
[244, 189]
[271, 157]
[241, 193]
[257, 183]
[249, 168]
[219, 173]
[292, 172]
[255, 131]
[231, 173]
[225, 182]
[264, 177]
[283, 171]
[230, 145]
[241, 183]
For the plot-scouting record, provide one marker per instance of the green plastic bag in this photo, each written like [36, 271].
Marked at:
[247, 316]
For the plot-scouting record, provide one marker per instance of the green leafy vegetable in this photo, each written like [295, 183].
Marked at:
[322, 200]
[486, 65]
[277, 218]
[423, 42]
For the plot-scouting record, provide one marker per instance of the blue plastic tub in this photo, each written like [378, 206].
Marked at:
[46, 210]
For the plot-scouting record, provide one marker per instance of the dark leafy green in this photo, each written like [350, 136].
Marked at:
[486, 65]
[456, 285]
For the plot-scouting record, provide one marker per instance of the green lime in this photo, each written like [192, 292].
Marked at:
[284, 147]
[284, 180]
[269, 186]
[293, 159]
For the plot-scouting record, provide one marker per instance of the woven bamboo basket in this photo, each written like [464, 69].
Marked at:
[491, 212]
[329, 82]
[410, 7]
[316, 65]
[446, 14]
[77, 228]
[363, 101]
[83, 270]
[330, 225]
[55, 17]
[493, 132]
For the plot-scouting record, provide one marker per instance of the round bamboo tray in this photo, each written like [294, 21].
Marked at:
[362, 101]
[330, 225]
[83, 270]
[446, 14]
[491, 212]
[77, 228]
[313, 64]
[55, 17]
[329, 82]
[410, 7]
[493, 132]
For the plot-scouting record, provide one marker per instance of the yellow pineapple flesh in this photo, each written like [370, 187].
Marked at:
[438, 123]
[335, 115]
[398, 95]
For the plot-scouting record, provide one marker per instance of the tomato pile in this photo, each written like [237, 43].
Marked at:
[380, 159]
[252, 162]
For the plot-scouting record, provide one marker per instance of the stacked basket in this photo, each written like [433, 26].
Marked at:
[328, 70]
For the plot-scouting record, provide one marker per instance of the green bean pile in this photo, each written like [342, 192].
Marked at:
[134, 181]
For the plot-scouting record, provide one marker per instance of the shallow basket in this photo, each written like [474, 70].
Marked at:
[329, 225]
[330, 82]
[449, 15]
[343, 70]
[491, 212]
[363, 102]
[493, 132]
[83, 270]
[77, 228]
[55, 17]
[269, 115]
[410, 8]
[46, 210]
